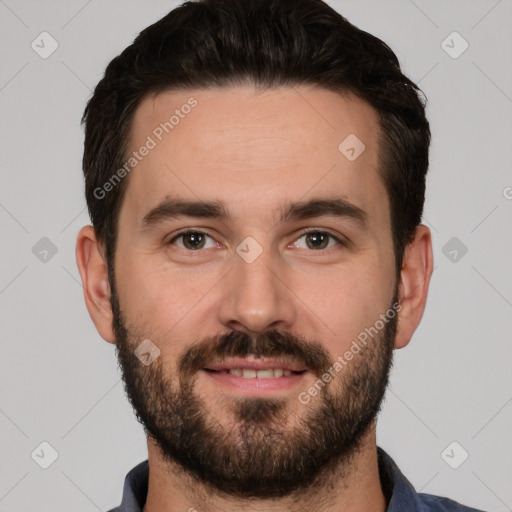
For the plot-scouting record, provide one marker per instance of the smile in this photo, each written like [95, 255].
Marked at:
[252, 376]
[248, 373]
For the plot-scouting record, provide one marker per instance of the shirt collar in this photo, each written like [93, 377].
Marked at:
[400, 493]
[135, 489]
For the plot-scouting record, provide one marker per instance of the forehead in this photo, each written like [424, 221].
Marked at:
[255, 149]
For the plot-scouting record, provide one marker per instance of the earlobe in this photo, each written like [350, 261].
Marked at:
[94, 274]
[414, 282]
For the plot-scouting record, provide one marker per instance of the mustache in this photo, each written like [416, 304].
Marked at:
[309, 353]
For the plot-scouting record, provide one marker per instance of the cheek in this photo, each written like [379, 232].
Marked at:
[164, 304]
[152, 289]
[346, 299]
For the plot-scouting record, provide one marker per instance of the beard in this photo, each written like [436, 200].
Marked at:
[259, 455]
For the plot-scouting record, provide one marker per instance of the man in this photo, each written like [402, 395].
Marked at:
[255, 176]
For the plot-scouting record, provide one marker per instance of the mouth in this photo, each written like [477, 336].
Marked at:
[251, 373]
[255, 376]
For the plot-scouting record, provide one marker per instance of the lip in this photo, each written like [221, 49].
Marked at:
[253, 386]
[255, 364]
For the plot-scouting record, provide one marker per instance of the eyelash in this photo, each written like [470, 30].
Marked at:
[340, 241]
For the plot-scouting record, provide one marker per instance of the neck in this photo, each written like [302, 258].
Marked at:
[352, 489]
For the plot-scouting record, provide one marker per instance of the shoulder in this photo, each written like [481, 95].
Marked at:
[431, 503]
[402, 497]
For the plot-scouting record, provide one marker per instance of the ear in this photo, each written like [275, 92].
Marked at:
[94, 273]
[414, 281]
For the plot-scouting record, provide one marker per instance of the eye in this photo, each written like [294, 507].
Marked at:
[192, 240]
[318, 240]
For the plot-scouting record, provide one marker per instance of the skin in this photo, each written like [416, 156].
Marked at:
[256, 151]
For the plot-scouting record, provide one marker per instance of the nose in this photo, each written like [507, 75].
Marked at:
[258, 295]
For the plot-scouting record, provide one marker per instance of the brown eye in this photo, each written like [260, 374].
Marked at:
[191, 240]
[318, 240]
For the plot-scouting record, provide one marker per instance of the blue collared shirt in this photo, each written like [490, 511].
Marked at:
[400, 492]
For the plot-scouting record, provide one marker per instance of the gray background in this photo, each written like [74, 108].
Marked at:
[59, 380]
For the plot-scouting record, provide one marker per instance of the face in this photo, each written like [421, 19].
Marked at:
[251, 295]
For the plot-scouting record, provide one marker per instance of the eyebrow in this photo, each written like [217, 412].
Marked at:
[317, 207]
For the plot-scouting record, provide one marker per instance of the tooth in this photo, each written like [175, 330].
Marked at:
[265, 374]
[262, 374]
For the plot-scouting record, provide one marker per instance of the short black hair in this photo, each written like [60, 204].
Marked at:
[267, 43]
